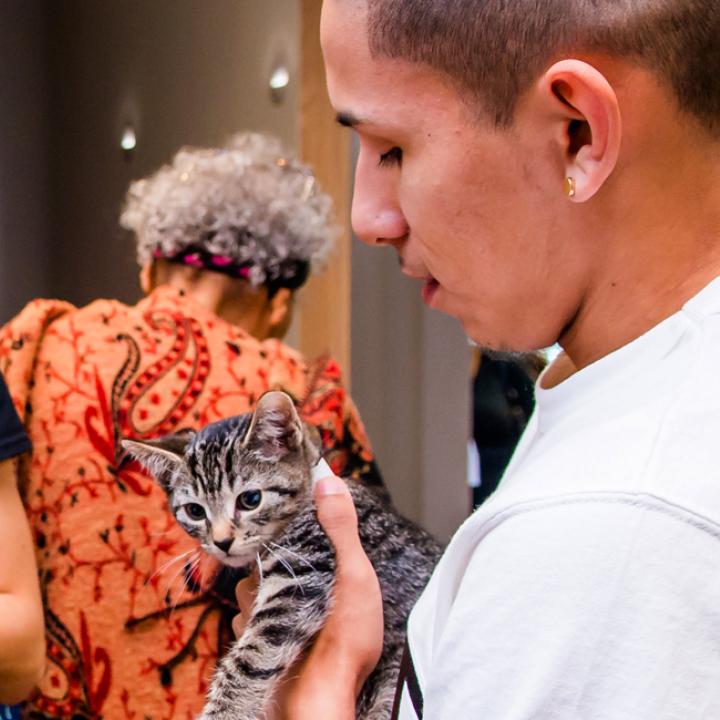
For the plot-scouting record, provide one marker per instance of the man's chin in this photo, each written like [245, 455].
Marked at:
[495, 349]
[482, 341]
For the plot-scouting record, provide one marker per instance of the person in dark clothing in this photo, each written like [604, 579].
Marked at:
[503, 400]
[22, 645]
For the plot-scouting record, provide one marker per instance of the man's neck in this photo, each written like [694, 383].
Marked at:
[658, 245]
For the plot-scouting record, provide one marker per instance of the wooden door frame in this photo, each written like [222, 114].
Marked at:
[324, 313]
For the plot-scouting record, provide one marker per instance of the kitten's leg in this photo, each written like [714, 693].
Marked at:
[378, 694]
[287, 614]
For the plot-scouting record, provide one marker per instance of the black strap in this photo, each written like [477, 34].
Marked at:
[407, 677]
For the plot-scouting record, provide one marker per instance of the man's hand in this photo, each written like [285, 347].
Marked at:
[327, 680]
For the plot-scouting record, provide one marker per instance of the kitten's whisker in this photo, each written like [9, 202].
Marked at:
[165, 566]
[286, 565]
[186, 569]
[295, 555]
[169, 586]
[192, 567]
[179, 570]
[260, 570]
[171, 561]
[203, 572]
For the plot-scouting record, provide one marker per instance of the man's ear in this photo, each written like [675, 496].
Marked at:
[163, 458]
[276, 428]
[586, 110]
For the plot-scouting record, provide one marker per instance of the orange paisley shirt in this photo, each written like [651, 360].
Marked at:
[133, 630]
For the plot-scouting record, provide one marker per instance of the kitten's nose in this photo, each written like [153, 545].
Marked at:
[224, 545]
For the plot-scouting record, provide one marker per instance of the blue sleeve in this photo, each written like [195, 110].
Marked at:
[13, 438]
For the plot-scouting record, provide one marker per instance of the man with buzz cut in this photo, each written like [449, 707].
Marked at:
[549, 170]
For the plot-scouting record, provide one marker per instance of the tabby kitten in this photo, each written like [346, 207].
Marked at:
[243, 488]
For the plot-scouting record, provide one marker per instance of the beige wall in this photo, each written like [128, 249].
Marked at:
[324, 323]
[183, 72]
[24, 221]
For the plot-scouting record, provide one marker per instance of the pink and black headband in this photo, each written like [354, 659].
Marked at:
[289, 273]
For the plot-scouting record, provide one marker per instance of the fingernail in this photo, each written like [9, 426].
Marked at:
[331, 486]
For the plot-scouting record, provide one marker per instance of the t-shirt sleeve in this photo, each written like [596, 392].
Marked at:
[13, 438]
[605, 609]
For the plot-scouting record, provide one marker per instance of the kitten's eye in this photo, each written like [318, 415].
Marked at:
[195, 511]
[249, 500]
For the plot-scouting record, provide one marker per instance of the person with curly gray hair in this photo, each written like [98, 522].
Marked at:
[247, 213]
[135, 615]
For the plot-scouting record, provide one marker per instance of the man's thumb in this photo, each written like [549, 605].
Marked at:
[336, 512]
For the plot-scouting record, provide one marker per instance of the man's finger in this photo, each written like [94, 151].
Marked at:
[336, 513]
[245, 592]
[238, 625]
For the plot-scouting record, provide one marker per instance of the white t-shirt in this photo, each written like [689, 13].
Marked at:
[588, 586]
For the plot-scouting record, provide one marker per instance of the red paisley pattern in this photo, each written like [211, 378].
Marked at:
[133, 622]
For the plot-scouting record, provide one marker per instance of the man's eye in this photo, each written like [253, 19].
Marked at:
[195, 511]
[392, 157]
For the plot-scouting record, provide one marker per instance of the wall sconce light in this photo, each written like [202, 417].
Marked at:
[279, 80]
[128, 141]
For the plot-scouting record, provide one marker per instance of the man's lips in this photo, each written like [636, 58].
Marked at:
[431, 284]
[429, 289]
[415, 273]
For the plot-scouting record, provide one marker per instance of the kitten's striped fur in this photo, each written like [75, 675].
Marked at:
[272, 452]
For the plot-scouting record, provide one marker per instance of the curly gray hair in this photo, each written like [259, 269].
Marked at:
[249, 203]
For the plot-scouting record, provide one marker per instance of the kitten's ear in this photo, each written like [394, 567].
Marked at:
[276, 429]
[163, 457]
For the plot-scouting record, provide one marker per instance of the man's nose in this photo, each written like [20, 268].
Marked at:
[376, 215]
[377, 225]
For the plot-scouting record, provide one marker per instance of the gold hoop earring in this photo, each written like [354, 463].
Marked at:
[569, 186]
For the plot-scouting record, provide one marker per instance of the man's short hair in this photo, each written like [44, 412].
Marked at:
[495, 49]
